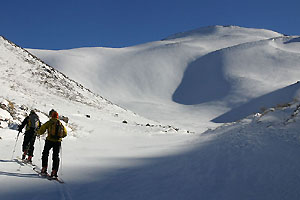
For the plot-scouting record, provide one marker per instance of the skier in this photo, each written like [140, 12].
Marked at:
[56, 131]
[32, 124]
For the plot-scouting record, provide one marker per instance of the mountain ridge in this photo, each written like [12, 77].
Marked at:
[146, 77]
[208, 30]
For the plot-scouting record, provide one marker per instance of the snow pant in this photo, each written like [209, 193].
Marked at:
[28, 142]
[55, 156]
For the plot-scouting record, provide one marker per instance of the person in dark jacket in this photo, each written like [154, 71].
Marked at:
[32, 124]
[56, 131]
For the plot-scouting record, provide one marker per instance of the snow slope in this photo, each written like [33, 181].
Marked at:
[256, 158]
[231, 73]
[98, 141]
[195, 76]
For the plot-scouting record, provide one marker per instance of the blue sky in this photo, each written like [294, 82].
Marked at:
[64, 24]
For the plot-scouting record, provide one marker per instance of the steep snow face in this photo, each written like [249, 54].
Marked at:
[195, 76]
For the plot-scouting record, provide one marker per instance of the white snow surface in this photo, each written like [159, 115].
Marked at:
[211, 114]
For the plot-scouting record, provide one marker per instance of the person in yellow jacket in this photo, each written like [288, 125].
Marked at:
[56, 131]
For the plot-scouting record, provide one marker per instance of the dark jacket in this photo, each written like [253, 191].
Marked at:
[26, 122]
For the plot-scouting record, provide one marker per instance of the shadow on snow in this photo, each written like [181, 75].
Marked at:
[23, 175]
[33, 175]
[203, 81]
[234, 165]
[272, 99]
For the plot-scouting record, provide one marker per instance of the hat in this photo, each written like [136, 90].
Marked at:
[54, 115]
[32, 112]
[50, 112]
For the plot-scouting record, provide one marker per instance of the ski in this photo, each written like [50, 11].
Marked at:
[37, 170]
[47, 176]
[20, 162]
[50, 178]
[24, 162]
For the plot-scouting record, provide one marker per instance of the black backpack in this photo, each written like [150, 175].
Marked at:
[33, 121]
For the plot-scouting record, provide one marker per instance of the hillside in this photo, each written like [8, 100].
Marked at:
[101, 135]
[32, 84]
[256, 158]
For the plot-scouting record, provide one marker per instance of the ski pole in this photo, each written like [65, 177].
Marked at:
[40, 147]
[15, 145]
[61, 160]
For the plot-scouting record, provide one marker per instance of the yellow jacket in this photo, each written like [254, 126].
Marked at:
[48, 126]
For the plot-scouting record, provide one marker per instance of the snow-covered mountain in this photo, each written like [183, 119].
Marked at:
[28, 80]
[201, 74]
[235, 88]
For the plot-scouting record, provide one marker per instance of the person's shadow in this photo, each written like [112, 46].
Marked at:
[16, 174]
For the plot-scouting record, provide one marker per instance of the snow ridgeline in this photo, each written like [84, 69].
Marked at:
[28, 83]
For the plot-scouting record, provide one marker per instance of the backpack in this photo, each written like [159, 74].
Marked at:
[33, 121]
[56, 130]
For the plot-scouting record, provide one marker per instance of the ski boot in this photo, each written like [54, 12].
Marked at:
[29, 159]
[24, 155]
[44, 171]
[54, 173]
